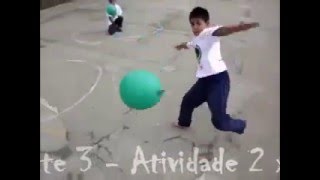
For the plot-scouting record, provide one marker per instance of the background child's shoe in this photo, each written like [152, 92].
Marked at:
[119, 29]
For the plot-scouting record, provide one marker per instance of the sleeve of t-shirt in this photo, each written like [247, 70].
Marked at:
[191, 44]
[209, 31]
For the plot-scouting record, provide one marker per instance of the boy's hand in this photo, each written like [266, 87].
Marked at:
[246, 26]
[181, 46]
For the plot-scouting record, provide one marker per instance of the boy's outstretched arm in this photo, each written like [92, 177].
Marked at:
[110, 19]
[227, 30]
[184, 45]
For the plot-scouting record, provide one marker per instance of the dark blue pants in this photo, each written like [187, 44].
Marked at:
[115, 26]
[214, 90]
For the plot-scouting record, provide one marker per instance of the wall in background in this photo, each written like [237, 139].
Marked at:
[50, 3]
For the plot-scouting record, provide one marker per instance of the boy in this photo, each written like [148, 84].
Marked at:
[213, 82]
[115, 22]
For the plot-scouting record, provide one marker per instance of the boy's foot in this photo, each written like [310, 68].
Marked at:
[176, 125]
[244, 126]
[240, 126]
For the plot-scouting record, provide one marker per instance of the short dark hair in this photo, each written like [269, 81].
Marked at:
[199, 12]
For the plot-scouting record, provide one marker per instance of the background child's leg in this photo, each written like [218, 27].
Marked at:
[192, 99]
[119, 21]
[113, 28]
[218, 92]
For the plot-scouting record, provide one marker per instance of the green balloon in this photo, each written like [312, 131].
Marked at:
[111, 10]
[140, 89]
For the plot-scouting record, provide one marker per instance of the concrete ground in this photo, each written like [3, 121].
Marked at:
[81, 68]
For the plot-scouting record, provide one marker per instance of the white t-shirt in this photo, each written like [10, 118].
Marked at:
[208, 53]
[119, 13]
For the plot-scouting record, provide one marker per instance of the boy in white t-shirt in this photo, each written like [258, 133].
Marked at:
[115, 22]
[213, 82]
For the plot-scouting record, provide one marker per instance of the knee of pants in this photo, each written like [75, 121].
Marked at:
[187, 101]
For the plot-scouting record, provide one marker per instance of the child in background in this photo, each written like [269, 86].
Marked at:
[115, 22]
[213, 82]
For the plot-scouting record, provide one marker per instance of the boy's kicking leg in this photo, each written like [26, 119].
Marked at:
[191, 100]
[218, 92]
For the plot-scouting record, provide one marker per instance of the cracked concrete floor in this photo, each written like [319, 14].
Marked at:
[81, 69]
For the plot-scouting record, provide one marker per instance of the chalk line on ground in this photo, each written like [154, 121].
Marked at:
[45, 103]
[114, 81]
[100, 72]
[90, 43]
[113, 70]
[112, 165]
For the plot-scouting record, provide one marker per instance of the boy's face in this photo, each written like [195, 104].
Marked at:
[198, 25]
